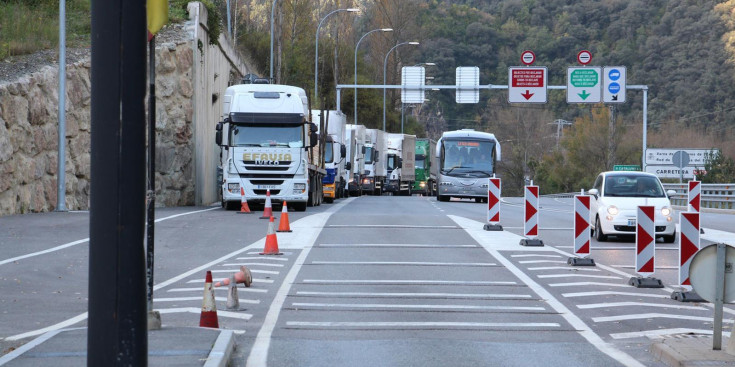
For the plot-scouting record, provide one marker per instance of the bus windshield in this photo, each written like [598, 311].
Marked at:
[468, 158]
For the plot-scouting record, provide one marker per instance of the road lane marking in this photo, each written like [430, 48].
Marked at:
[661, 332]
[30, 345]
[658, 267]
[423, 325]
[577, 284]
[541, 261]
[285, 253]
[612, 293]
[405, 282]
[408, 263]
[567, 268]
[55, 327]
[637, 304]
[490, 243]
[198, 310]
[535, 255]
[418, 245]
[201, 289]
[388, 226]
[255, 264]
[275, 258]
[596, 248]
[258, 356]
[378, 306]
[546, 228]
[413, 295]
[255, 280]
[578, 276]
[655, 315]
[219, 299]
[254, 271]
[74, 243]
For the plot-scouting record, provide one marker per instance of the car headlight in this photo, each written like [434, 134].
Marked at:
[422, 184]
[612, 210]
[666, 211]
[299, 186]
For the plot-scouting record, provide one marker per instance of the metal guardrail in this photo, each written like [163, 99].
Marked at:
[715, 196]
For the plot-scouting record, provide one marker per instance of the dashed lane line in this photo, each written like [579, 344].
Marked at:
[423, 325]
[546, 276]
[403, 263]
[413, 295]
[662, 332]
[655, 315]
[565, 268]
[406, 282]
[218, 299]
[412, 307]
[637, 304]
[613, 293]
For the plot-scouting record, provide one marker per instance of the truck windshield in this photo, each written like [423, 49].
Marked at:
[420, 162]
[368, 155]
[468, 157]
[329, 152]
[267, 136]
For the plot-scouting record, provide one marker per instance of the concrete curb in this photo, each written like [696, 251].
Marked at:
[690, 352]
[222, 350]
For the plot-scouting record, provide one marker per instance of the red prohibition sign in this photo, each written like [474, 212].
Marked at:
[584, 57]
[528, 57]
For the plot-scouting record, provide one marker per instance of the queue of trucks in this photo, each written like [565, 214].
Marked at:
[272, 143]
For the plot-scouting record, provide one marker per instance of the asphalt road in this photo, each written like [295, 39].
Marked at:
[402, 281]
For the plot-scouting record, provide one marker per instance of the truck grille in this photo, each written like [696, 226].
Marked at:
[263, 192]
[266, 182]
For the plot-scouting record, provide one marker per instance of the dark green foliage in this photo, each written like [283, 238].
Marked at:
[718, 168]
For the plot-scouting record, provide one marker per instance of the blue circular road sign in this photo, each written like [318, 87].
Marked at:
[614, 74]
[613, 88]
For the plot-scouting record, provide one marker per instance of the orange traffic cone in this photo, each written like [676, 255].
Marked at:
[283, 225]
[244, 208]
[271, 241]
[243, 276]
[208, 317]
[268, 210]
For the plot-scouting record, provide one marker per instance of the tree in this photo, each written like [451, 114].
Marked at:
[718, 169]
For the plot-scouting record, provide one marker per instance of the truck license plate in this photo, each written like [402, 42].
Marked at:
[631, 222]
[265, 187]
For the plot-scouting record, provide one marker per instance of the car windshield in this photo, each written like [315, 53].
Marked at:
[633, 186]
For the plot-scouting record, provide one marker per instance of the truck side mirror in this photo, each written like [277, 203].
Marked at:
[313, 139]
[363, 150]
[376, 155]
[400, 163]
[342, 151]
[218, 134]
[348, 166]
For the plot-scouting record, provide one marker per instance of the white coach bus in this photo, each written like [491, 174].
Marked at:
[466, 159]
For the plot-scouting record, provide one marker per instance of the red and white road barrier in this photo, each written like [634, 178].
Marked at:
[493, 205]
[530, 215]
[688, 244]
[695, 190]
[645, 241]
[582, 225]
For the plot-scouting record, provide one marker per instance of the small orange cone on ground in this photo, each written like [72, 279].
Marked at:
[283, 225]
[244, 208]
[208, 317]
[243, 276]
[268, 209]
[271, 241]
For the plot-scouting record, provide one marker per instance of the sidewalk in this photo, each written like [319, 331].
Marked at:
[168, 346]
[695, 351]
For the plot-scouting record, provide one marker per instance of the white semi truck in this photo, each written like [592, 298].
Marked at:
[400, 162]
[375, 168]
[335, 181]
[355, 143]
[266, 143]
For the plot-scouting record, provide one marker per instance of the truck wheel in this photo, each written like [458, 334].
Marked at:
[442, 198]
[231, 205]
[328, 200]
[299, 207]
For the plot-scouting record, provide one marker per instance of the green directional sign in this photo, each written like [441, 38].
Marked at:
[626, 167]
[584, 84]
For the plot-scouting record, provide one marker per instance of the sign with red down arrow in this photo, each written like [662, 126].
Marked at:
[527, 84]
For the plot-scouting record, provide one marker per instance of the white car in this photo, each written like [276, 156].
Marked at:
[616, 197]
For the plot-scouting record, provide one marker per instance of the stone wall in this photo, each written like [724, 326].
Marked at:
[190, 73]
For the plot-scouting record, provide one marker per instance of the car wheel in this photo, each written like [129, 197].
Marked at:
[599, 236]
[669, 238]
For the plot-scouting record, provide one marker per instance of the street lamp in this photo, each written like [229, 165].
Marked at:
[428, 78]
[384, 64]
[358, 45]
[316, 54]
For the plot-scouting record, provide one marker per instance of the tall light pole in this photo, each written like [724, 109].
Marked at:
[358, 45]
[384, 64]
[316, 54]
[273, 10]
[428, 77]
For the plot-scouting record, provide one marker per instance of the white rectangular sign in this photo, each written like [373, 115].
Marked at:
[468, 81]
[664, 156]
[614, 83]
[670, 171]
[527, 84]
[413, 79]
[584, 84]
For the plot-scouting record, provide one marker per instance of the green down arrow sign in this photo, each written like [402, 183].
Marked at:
[584, 78]
[583, 95]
